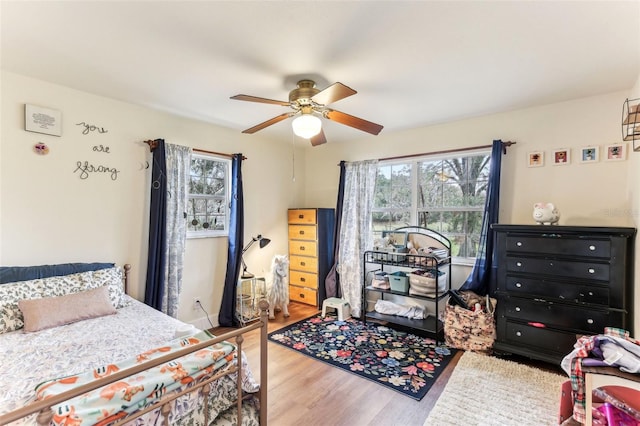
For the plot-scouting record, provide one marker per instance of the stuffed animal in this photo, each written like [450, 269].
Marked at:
[278, 286]
[546, 213]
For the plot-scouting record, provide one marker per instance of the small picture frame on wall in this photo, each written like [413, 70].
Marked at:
[561, 157]
[42, 120]
[536, 159]
[615, 152]
[589, 154]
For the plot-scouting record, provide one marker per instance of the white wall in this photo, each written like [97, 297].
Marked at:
[49, 215]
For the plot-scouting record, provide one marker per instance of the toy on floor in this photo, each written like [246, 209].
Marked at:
[278, 286]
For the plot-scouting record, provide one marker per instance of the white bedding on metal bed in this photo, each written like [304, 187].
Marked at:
[30, 358]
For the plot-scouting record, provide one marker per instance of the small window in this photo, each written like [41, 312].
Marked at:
[208, 202]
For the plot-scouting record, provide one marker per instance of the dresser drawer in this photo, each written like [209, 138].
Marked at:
[303, 232]
[301, 263]
[304, 248]
[561, 268]
[557, 245]
[303, 279]
[548, 289]
[540, 338]
[302, 294]
[558, 315]
[302, 216]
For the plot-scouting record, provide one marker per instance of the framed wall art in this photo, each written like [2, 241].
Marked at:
[561, 157]
[42, 120]
[615, 152]
[535, 159]
[589, 154]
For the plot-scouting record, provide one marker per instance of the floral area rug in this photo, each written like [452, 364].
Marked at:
[400, 361]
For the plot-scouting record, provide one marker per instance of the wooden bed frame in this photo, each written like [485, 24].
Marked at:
[45, 413]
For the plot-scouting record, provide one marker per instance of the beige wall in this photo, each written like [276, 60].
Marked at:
[633, 191]
[597, 194]
[48, 214]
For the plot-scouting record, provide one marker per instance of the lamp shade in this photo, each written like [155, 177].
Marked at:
[306, 126]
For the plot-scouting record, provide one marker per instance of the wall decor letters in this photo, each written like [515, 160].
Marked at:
[85, 169]
[91, 128]
[42, 120]
[101, 148]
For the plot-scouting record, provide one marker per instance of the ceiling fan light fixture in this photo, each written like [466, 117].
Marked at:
[306, 126]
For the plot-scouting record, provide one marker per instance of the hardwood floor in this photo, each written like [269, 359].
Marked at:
[303, 391]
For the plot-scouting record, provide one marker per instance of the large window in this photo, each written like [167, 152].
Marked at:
[208, 203]
[446, 194]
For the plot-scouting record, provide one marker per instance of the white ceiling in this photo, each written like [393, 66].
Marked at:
[412, 63]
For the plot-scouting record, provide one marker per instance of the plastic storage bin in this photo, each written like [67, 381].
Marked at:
[399, 281]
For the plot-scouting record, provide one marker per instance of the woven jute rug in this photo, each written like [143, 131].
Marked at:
[487, 391]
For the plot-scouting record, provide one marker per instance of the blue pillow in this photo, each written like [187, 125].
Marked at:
[9, 274]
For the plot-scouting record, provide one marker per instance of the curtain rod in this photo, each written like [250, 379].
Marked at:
[153, 144]
[447, 151]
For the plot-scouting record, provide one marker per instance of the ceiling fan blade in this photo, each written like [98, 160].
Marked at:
[333, 93]
[355, 122]
[318, 139]
[268, 123]
[257, 99]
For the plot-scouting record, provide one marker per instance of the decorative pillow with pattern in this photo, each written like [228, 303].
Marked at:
[11, 318]
[114, 278]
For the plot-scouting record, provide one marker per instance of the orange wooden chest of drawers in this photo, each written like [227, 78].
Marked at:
[310, 253]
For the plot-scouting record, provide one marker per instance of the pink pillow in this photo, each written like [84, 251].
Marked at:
[50, 312]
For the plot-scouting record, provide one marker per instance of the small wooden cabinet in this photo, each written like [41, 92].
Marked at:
[310, 253]
[553, 283]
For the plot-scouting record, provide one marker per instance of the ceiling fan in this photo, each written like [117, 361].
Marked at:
[308, 103]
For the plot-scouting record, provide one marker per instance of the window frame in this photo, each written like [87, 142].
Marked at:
[413, 209]
[213, 233]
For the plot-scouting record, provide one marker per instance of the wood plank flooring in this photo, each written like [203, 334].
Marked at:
[303, 391]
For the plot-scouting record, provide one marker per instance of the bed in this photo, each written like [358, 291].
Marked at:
[80, 351]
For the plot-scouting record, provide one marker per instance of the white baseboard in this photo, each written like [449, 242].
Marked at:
[203, 323]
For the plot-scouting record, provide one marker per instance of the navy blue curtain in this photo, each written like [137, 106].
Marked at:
[479, 280]
[154, 290]
[227, 316]
[332, 282]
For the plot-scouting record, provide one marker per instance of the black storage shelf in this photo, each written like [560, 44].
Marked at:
[406, 294]
[431, 325]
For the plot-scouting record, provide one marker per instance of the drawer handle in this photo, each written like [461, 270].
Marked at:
[518, 333]
[592, 271]
[518, 285]
[518, 264]
[517, 308]
[300, 216]
[301, 248]
[301, 296]
[590, 293]
[592, 248]
[302, 264]
[301, 232]
[590, 321]
[303, 279]
[519, 244]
